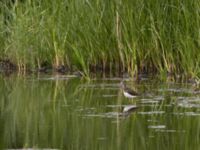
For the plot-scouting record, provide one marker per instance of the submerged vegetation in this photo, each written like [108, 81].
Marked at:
[88, 35]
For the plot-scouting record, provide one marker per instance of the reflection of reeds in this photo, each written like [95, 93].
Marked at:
[56, 113]
[152, 35]
[32, 113]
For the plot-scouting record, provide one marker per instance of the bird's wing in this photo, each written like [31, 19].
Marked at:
[132, 92]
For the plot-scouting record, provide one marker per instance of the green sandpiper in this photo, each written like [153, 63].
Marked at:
[129, 93]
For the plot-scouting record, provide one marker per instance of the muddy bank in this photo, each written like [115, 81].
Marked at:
[7, 67]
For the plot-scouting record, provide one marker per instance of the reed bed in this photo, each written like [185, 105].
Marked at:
[112, 36]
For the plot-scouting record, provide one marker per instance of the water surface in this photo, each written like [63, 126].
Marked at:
[64, 112]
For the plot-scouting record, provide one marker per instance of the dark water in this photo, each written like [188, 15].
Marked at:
[61, 112]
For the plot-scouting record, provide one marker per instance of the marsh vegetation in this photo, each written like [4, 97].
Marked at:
[117, 38]
[111, 36]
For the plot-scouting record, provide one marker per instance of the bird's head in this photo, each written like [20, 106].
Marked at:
[122, 84]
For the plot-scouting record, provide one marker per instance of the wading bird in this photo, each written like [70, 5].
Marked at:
[129, 93]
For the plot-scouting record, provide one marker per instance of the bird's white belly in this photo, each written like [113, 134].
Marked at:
[126, 94]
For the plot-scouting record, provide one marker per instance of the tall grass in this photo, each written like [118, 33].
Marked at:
[134, 36]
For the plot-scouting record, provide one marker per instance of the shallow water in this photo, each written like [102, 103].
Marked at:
[64, 112]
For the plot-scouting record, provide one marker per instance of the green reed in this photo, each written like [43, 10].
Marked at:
[134, 36]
